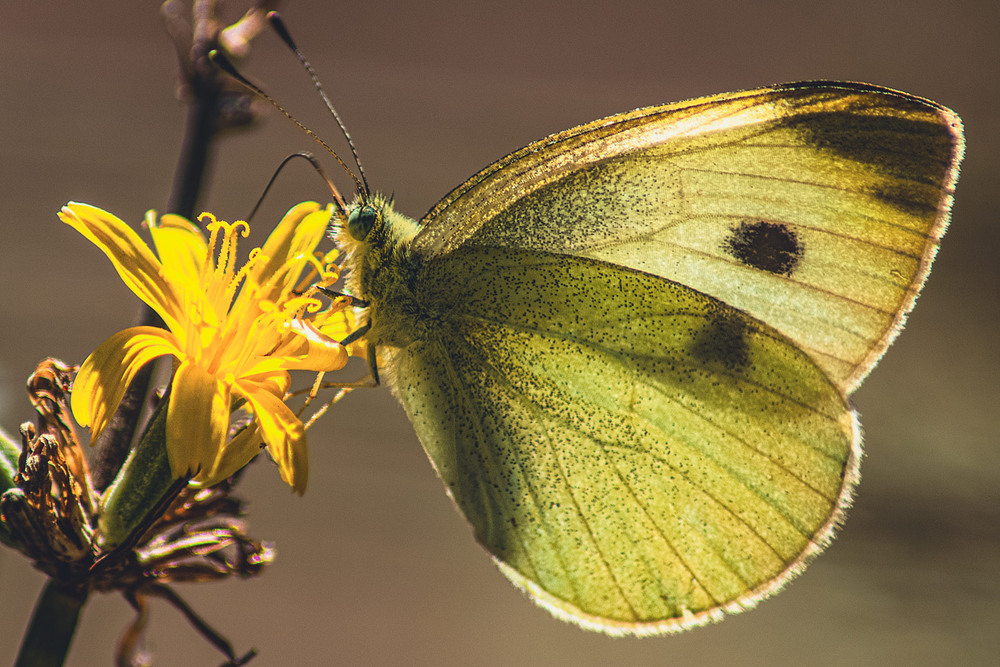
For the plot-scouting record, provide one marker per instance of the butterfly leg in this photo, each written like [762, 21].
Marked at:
[371, 356]
[373, 364]
[334, 294]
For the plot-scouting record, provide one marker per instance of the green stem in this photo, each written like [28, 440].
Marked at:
[141, 487]
[52, 625]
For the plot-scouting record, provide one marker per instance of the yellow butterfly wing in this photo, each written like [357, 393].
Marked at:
[627, 348]
[635, 454]
[816, 207]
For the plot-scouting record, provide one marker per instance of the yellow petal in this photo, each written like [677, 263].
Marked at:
[310, 350]
[237, 453]
[135, 263]
[337, 324]
[108, 371]
[180, 245]
[276, 384]
[298, 234]
[197, 420]
[285, 437]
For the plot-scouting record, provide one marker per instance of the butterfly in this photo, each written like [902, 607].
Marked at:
[628, 348]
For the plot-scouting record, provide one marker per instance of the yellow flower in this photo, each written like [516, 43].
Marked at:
[234, 335]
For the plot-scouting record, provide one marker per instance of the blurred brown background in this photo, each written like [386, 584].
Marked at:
[374, 565]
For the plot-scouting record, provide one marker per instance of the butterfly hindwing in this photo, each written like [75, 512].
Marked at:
[636, 454]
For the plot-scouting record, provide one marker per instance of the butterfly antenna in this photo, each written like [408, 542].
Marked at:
[319, 170]
[223, 63]
[286, 37]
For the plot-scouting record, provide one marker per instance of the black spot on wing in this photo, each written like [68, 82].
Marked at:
[768, 246]
[722, 342]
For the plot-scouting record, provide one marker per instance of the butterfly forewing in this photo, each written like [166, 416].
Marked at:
[814, 207]
[637, 454]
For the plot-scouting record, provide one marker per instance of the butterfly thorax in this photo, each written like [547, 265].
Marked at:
[380, 269]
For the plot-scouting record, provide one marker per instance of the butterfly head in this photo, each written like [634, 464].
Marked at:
[360, 221]
[373, 235]
[371, 222]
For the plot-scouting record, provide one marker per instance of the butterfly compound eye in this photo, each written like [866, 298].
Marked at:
[360, 222]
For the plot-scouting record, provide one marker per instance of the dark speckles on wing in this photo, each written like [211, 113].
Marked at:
[767, 246]
[607, 202]
[620, 440]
